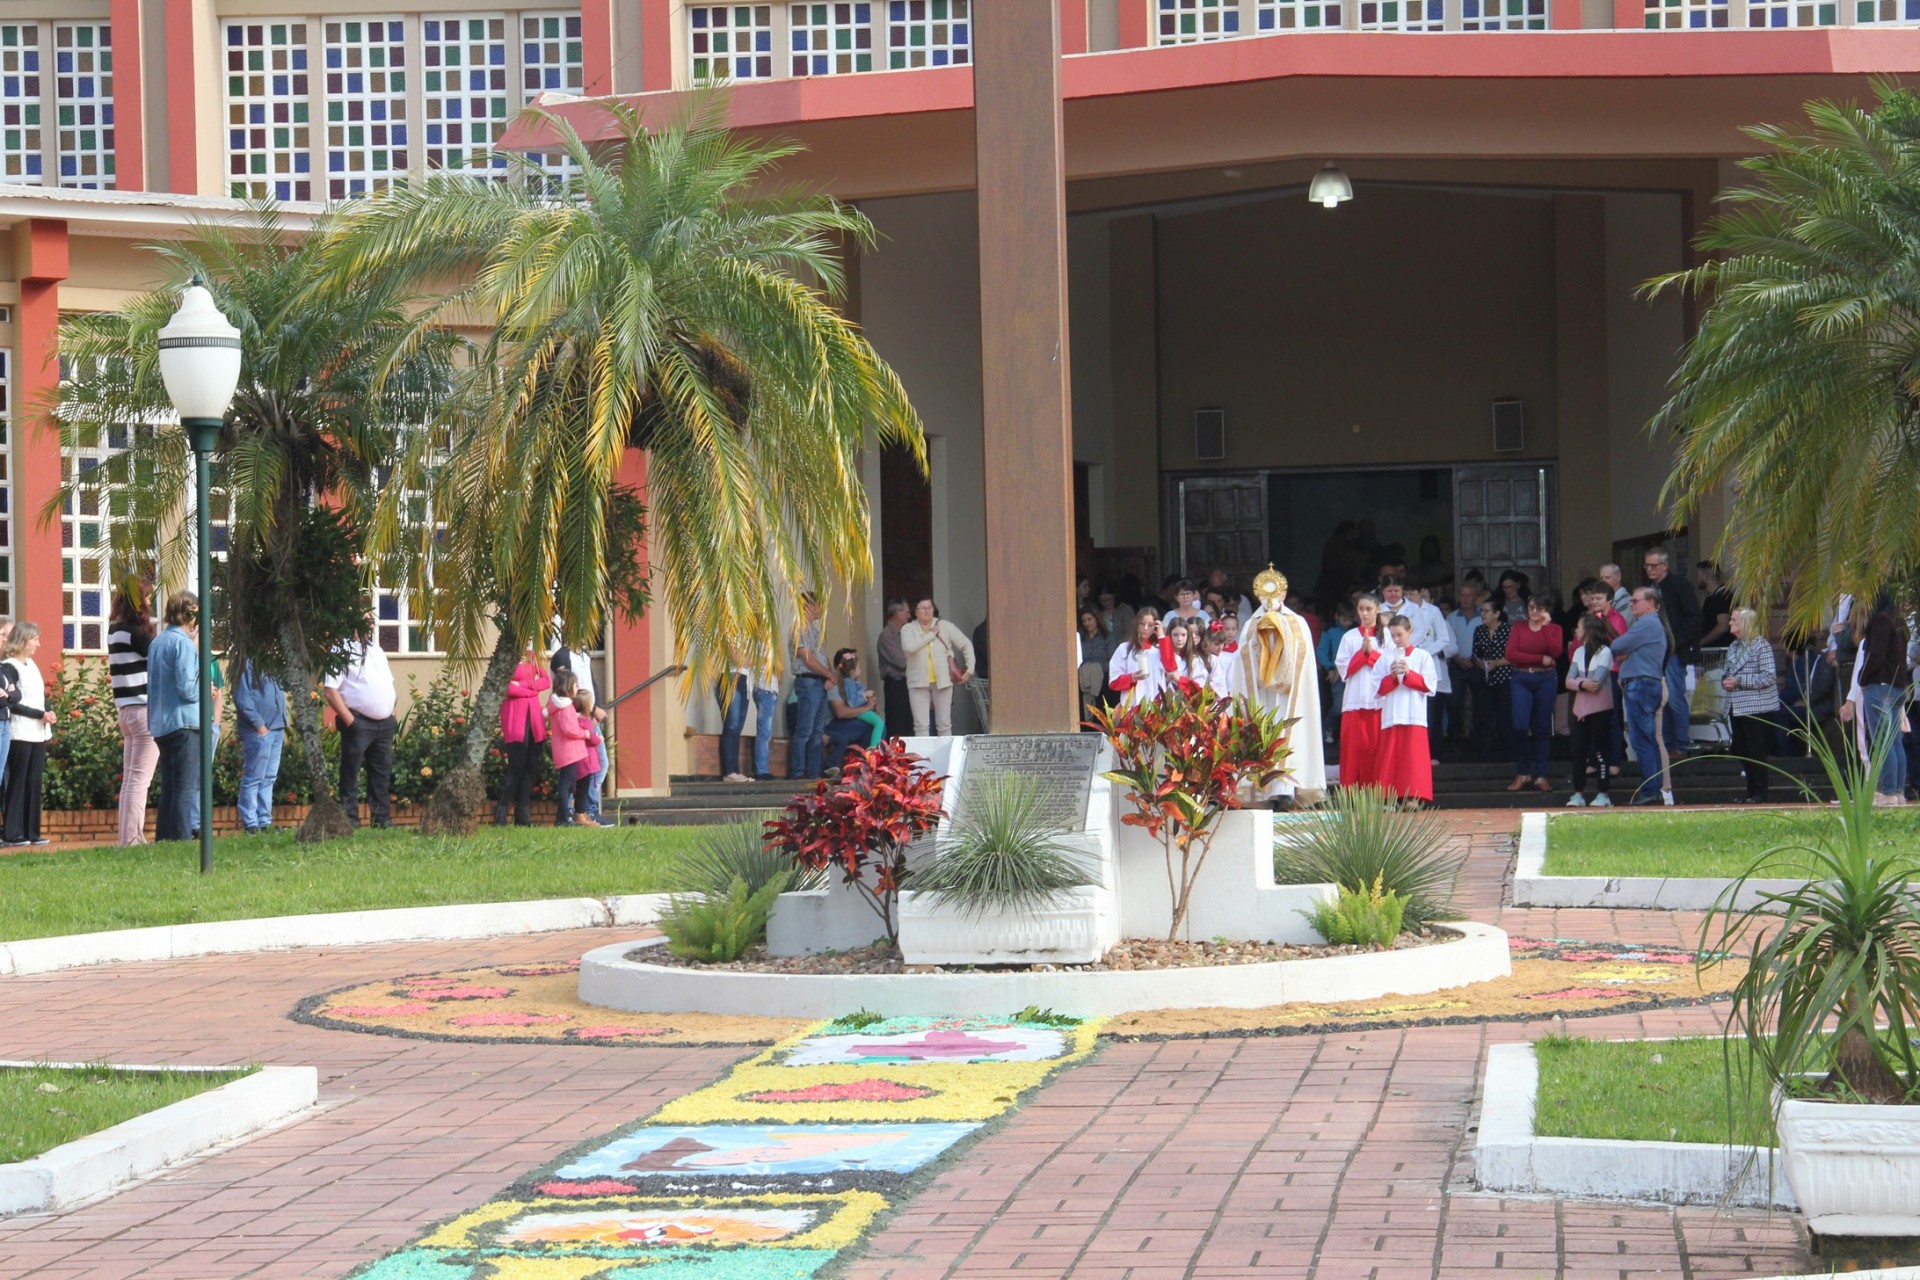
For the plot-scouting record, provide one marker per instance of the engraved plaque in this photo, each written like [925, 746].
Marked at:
[1060, 765]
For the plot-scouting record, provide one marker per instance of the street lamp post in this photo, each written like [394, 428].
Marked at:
[200, 364]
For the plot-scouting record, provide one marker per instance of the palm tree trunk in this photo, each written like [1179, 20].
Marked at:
[326, 820]
[454, 807]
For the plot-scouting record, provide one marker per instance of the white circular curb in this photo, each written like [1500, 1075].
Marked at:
[610, 979]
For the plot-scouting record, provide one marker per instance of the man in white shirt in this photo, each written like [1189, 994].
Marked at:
[362, 697]
[579, 661]
[1430, 632]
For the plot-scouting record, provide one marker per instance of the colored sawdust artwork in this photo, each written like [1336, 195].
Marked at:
[1550, 976]
[768, 1173]
[527, 1003]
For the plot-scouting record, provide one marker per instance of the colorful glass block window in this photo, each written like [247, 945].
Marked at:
[1871, 12]
[1686, 15]
[1793, 14]
[551, 61]
[1503, 15]
[465, 94]
[1192, 21]
[830, 39]
[730, 41]
[1298, 15]
[269, 134]
[6, 483]
[85, 521]
[366, 103]
[83, 102]
[928, 33]
[1403, 15]
[22, 157]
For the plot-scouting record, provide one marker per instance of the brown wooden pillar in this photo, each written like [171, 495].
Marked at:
[1019, 175]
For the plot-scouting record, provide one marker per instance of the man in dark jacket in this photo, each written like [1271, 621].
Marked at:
[1680, 610]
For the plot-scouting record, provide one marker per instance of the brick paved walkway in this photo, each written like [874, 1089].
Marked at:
[1334, 1156]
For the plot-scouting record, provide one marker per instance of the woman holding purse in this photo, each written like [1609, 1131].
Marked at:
[939, 656]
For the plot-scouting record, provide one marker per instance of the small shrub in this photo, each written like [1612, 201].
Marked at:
[858, 1020]
[718, 928]
[1001, 857]
[1360, 918]
[1357, 841]
[739, 851]
[1033, 1015]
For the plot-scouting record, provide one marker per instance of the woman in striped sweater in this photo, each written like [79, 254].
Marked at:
[1752, 682]
[129, 634]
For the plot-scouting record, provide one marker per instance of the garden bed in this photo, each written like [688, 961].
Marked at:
[1131, 955]
[43, 1107]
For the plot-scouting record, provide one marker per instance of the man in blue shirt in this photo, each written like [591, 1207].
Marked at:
[260, 709]
[1642, 655]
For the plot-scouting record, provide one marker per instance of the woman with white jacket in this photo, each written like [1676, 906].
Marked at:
[939, 656]
[1139, 670]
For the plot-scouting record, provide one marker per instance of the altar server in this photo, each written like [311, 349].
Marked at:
[1408, 681]
[1222, 659]
[1358, 666]
[1138, 669]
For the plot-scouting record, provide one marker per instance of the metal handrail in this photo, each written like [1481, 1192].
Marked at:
[646, 684]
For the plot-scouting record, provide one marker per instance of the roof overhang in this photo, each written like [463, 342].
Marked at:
[133, 214]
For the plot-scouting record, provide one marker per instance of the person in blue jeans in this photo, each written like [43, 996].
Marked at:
[1641, 654]
[260, 716]
[1680, 615]
[1884, 681]
[174, 685]
[733, 695]
[1533, 653]
[806, 749]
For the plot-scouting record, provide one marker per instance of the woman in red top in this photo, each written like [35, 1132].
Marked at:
[522, 724]
[1533, 651]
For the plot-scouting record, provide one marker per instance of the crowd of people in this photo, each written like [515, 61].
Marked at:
[1503, 669]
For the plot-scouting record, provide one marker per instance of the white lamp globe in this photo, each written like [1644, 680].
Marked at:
[199, 357]
[1330, 187]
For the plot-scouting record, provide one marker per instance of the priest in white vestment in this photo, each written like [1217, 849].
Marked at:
[1277, 671]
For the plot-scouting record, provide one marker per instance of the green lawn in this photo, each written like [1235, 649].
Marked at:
[1698, 842]
[1666, 1091]
[84, 890]
[44, 1107]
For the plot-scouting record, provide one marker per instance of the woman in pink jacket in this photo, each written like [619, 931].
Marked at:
[573, 742]
[522, 725]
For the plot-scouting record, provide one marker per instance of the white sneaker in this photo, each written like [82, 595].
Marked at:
[1603, 801]
[1666, 797]
[736, 777]
[1578, 801]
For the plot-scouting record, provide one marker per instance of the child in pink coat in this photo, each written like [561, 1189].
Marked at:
[574, 743]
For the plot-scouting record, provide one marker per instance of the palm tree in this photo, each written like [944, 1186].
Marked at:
[328, 377]
[666, 303]
[1800, 390]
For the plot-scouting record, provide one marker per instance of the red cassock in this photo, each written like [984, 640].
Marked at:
[1360, 726]
[1405, 766]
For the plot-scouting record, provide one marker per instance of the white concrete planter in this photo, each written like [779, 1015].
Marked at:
[1854, 1167]
[1532, 887]
[1075, 932]
[1509, 1157]
[90, 1167]
[612, 979]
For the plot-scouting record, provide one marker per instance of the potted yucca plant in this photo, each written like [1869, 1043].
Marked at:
[1830, 1004]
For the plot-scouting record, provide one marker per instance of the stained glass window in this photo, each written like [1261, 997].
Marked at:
[83, 102]
[1298, 15]
[366, 103]
[84, 537]
[269, 135]
[1686, 15]
[1403, 15]
[830, 39]
[1865, 12]
[463, 75]
[6, 483]
[928, 33]
[1192, 21]
[21, 156]
[552, 60]
[730, 41]
[1503, 15]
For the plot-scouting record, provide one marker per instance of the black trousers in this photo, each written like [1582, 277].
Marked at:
[1592, 736]
[368, 742]
[1753, 743]
[26, 766]
[899, 710]
[179, 776]
[516, 786]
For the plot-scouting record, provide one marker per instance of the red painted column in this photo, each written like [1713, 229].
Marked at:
[183, 134]
[1133, 24]
[596, 46]
[40, 252]
[129, 100]
[633, 662]
[656, 45]
[1073, 26]
[1630, 15]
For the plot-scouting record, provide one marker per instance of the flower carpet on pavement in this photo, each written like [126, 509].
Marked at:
[763, 1175]
[531, 1003]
